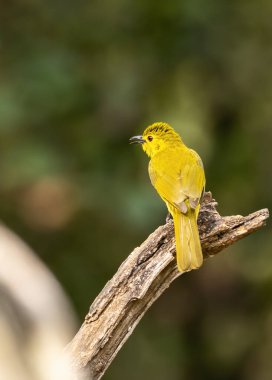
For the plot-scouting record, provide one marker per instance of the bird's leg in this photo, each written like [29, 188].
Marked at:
[193, 202]
[183, 207]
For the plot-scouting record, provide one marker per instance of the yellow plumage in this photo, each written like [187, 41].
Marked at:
[177, 174]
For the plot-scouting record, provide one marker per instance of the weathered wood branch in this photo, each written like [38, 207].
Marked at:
[141, 279]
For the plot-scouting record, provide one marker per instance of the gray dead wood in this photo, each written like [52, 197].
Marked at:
[140, 280]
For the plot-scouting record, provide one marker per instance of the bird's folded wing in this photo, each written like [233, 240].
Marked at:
[177, 177]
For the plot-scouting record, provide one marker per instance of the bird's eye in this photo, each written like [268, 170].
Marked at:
[149, 138]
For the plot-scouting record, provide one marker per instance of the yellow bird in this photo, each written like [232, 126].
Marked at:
[177, 174]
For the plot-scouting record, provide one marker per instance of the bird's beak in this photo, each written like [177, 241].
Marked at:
[136, 140]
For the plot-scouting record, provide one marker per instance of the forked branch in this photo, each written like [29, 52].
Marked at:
[140, 280]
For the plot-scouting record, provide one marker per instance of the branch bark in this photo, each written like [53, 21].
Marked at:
[140, 280]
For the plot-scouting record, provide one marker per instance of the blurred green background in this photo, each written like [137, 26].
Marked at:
[77, 79]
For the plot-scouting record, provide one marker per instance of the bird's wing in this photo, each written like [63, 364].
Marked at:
[177, 176]
[192, 175]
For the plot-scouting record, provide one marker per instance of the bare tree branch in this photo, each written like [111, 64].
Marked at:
[141, 279]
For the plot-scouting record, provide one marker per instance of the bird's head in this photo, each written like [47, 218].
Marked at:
[156, 138]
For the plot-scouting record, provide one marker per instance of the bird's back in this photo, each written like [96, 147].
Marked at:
[177, 173]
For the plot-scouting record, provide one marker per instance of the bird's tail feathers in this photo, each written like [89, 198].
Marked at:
[188, 247]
